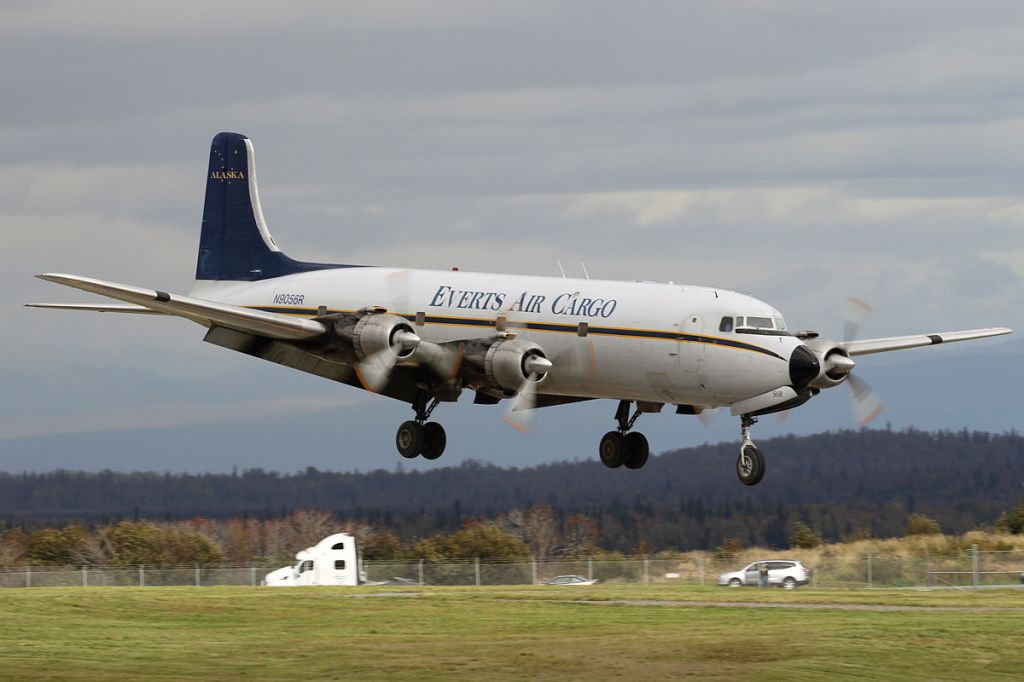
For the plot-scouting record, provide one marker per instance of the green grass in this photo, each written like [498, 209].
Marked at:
[503, 633]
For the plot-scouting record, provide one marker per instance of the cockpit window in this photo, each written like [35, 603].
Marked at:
[725, 325]
[773, 326]
[760, 323]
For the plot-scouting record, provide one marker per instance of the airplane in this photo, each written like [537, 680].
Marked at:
[425, 336]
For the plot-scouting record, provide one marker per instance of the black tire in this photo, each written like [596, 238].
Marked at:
[637, 450]
[434, 440]
[612, 449]
[750, 465]
[789, 584]
[409, 439]
[735, 582]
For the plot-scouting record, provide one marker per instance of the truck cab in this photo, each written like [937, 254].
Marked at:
[332, 561]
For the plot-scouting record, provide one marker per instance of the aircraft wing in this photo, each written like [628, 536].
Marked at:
[207, 313]
[110, 308]
[900, 342]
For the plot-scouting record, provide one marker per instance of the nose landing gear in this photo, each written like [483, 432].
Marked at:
[420, 437]
[750, 465]
[623, 447]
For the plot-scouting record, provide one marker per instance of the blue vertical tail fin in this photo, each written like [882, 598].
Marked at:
[235, 243]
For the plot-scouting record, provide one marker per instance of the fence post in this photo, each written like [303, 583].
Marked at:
[476, 566]
[647, 578]
[533, 564]
[974, 565]
[421, 572]
[590, 568]
[28, 575]
[814, 576]
[869, 571]
[142, 576]
[701, 559]
[252, 574]
[85, 576]
[197, 575]
[927, 568]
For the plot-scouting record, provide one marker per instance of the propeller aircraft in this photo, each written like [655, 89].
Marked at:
[424, 336]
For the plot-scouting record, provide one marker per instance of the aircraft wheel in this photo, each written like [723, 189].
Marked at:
[434, 440]
[637, 450]
[409, 439]
[612, 449]
[750, 465]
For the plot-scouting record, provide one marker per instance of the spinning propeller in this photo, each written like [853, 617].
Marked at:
[376, 369]
[519, 413]
[837, 366]
[866, 404]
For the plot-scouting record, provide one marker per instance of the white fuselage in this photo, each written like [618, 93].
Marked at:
[644, 341]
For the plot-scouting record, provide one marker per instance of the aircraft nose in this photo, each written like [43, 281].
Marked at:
[803, 367]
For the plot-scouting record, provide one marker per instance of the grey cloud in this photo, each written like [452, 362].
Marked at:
[799, 151]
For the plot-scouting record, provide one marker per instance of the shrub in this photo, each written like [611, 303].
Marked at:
[804, 537]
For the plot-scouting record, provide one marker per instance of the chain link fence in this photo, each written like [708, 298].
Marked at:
[972, 568]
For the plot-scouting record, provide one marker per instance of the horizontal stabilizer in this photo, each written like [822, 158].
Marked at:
[207, 313]
[110, 308]
[901, 342]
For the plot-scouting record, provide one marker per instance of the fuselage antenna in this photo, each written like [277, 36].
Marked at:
[560, 269]
[584, 266]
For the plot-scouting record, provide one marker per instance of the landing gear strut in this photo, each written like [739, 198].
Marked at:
[622, 446]
[420, 437]
[750, 465]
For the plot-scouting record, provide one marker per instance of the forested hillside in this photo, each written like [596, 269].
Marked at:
[845, 484]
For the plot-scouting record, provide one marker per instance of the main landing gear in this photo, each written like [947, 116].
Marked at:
[750, 465]
[420, 437]
[622, 446]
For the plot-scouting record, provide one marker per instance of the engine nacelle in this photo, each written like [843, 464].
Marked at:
[504, 364]
[834, 360]
[375, 333]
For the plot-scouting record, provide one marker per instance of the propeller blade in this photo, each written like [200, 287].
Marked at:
[520, 411]
[866, 405]
[857, 311]
[707, 416]
[373, 372]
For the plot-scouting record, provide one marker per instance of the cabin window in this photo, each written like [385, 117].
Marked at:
[726, 325]
[339, 565]
[306, 566]
[780, 323]
[340, 545]
[582, 329]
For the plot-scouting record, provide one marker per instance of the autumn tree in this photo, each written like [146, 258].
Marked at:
[478, 539]
[919, 524]
[12, 547]
[804, 537]
[1012, 521]
[536, 527]
[55, 547]
[131, 543]
[381, 545]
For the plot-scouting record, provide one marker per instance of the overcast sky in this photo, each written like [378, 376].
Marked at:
[798, 151]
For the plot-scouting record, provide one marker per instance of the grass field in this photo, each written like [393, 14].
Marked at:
[596, 633]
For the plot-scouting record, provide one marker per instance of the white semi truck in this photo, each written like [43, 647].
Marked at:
[332, 561]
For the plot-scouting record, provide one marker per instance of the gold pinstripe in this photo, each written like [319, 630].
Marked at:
[570, 329]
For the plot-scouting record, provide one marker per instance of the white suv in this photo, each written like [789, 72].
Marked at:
[787, 574]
